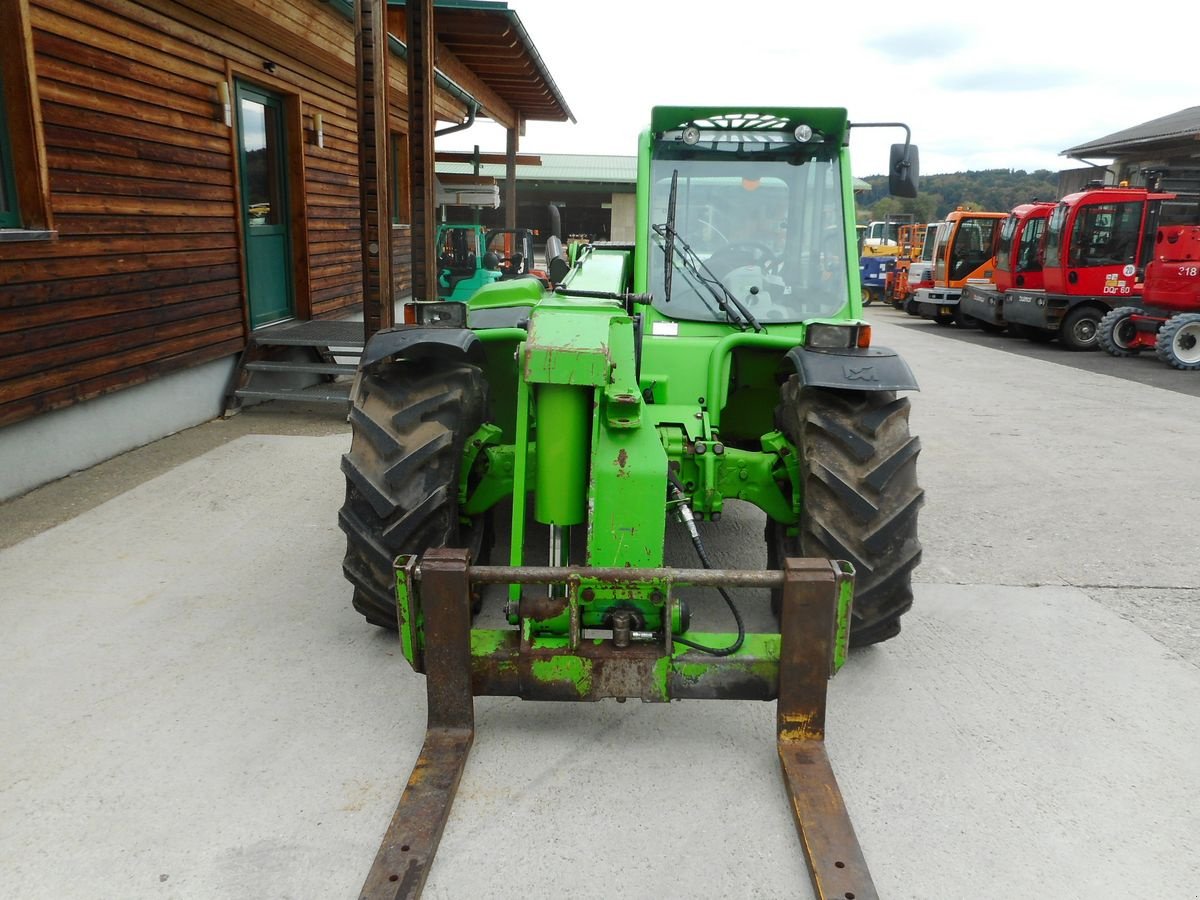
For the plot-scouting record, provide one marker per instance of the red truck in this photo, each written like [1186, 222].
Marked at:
[1097, 245]
[1018, 265]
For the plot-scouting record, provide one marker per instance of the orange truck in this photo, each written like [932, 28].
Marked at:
[964, 249]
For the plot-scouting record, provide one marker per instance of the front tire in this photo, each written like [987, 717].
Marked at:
[408, 431]
[861, 497]
[1178, 342]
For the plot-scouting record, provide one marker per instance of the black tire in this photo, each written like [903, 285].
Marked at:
[1031, 333]
[989, 327]
[963, 319]
[944, 319]
[1080, 328]
[858, 462]
[408, 431]
[1117, 332]
[1178, 342]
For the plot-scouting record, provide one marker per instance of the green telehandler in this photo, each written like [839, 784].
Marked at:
[720, 357]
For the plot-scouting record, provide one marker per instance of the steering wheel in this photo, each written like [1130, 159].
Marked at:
[744, 253]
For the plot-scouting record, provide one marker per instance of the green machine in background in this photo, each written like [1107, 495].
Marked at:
[720, 357]
[470, 257]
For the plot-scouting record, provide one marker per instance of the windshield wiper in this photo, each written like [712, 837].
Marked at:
[734, 310]
[669, 245]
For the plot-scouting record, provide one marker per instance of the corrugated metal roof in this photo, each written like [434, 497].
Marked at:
[560, 167]
[1177, 125]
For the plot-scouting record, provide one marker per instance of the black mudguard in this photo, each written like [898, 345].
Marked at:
[872, 369]
[416, 342]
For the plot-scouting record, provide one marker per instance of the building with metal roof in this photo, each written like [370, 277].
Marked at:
[595, 194]
[1164, 151]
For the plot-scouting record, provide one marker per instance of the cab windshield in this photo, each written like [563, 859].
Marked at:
[769, 227]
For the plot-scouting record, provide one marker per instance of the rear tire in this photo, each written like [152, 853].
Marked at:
[1080, 329]
[1178, 343]
[963, 319]
[408, 428]
[1032, 333]
[858, 463]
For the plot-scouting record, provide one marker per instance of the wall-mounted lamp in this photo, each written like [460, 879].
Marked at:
[319, 129]
[223, 96]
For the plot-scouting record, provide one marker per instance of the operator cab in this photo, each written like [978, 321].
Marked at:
[749, 219]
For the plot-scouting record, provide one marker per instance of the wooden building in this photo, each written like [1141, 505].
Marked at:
[177, 173]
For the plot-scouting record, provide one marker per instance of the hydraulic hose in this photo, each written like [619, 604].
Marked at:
[683, 513]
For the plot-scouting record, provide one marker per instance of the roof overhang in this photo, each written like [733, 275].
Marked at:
[484, 58]
[484, 48]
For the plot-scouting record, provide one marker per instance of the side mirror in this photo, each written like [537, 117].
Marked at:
[903, 170]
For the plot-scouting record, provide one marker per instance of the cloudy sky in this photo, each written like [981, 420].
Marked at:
[1004, 85]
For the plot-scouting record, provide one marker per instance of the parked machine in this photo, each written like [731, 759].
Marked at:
[964, 249]
[1018, 265]
[920, 272]
[912, 249]
[883, 245]
[882, 236]
[1098, 243]
[470, 257]
[1168, 322]
[658, 382]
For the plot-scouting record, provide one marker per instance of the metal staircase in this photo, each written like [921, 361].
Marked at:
[310, 361]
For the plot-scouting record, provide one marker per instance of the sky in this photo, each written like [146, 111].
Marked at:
[999, 85]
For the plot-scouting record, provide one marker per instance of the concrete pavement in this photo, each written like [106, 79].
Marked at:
[191, 710]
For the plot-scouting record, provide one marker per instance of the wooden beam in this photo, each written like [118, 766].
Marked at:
[496, 159]
[419, 29]
[510, 179]
[371, 55]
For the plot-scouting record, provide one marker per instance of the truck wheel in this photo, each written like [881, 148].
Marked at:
[944, 319]
[1080, 328]
[408, 430]
[989, 327]
[1117, 332]
[1178, 342]
[861, 497]
[963, 319]
[1032, 333]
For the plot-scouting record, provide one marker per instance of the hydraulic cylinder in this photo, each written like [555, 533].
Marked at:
[564, 418]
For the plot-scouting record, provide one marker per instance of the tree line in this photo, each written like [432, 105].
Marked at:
[990, 190]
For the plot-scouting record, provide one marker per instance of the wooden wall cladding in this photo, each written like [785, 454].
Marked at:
[146, 276]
